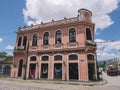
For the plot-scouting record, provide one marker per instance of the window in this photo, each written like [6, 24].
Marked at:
[46, 38]
[90, 57]
[33, 58]
[73, 57]
[72, 35]
[58, 37]
[88, 34]
[24, 41]
[6, 70]
[19, 41]
[45, 58]
[58, 57]
[35, 37]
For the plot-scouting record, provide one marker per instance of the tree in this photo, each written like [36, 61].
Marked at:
[5, 56]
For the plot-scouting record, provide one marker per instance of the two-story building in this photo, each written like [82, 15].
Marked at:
[63, 49]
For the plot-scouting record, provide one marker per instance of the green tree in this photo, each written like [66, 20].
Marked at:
[5, 56]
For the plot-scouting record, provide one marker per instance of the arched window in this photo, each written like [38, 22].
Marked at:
[72, 35]
[58, 57]
[0, 69]
[24, 41]
[33, 58]
[45, 58]
[34, 42]
[6, 70]
[46, 38]
[88, 34]
[90, 57]
[19, 41]
[58, 37]
[73, 57]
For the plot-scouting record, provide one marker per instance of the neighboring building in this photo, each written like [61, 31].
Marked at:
[63, 49]
[5, 67]
[115, 62]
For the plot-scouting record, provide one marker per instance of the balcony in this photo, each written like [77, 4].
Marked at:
[58, 46]
[90, 43]
[20, 48]
[45, 47]
[72, 44]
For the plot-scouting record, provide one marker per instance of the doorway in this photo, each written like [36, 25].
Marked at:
[73, 71]
[91, 71]
[32, 71]
[44, 71]
[57, 71]
[20, 68]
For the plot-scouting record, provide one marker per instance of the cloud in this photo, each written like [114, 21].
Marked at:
[1, 40]
[46, 10]
[9, 47]
[107, 49]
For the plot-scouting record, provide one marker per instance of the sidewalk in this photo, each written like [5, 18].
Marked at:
[86, 83]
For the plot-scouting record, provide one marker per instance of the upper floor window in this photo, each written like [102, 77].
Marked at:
[45, 58]
[58, 37]
[46, 38]
[90, 57]
[88, 34]
[73, 57]
[58, 57]
[19, 41]
[24, 41]
[34, 42]
[72, 35]
[33, 58]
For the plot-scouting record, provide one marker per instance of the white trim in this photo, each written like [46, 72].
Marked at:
[58, 54]
[33, 56]
[61, 35]
[37, 38]
[91, 33]
[91, 54]
[48, 37]
[45, 55]
[18, 67]
[75, 32]
[73, 53]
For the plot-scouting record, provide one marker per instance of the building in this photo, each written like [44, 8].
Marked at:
[57, 50]
[5, 67]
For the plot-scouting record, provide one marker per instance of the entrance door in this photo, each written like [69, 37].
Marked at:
[73, 71]
[44, 71]
[32, 70]
[57, 71]
[91, 71]
[20, 68]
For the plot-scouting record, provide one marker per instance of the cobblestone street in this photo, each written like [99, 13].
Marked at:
[112, 84]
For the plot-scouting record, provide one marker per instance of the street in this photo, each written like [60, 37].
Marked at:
[112, 84]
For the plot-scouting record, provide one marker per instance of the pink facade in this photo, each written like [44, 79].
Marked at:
[63, 50]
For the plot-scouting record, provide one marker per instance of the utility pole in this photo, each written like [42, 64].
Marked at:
[25, 66]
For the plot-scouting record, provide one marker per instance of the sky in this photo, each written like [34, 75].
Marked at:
[106, 16]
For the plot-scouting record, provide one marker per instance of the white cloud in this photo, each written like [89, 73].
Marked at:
[1, 40]
[107, 49]
[9, 47]
[46, 10]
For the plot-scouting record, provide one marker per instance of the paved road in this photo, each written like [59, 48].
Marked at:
[113, 84]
